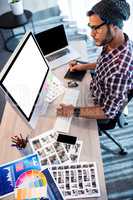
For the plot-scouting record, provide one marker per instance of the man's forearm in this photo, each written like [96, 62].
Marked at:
[91, 66]
[88, 66]
[95, 112]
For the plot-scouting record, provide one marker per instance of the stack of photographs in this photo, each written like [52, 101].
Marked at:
[77, 180]
[49, 150]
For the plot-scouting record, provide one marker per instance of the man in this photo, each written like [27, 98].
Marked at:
[114, 67]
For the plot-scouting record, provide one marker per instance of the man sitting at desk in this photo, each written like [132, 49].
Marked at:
[114, 67]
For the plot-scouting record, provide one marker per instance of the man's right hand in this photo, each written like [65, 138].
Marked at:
[75, 66]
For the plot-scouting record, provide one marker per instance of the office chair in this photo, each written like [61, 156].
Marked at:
[121, 120]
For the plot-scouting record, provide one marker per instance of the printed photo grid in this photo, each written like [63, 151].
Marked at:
[49, 150]
[77, 180]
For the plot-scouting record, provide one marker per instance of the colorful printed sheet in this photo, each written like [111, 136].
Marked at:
[10, 172]
[37, 185]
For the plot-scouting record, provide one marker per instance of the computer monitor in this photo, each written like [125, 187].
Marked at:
[52, 39]
[23, 77]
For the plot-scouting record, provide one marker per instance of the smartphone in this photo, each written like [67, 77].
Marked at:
[66, 139]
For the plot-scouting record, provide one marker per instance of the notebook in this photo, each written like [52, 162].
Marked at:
[54, 45]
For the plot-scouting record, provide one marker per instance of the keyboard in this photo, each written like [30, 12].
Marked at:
[62, 124]
[58, 54]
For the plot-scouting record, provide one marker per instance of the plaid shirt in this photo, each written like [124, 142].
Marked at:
[114, 78]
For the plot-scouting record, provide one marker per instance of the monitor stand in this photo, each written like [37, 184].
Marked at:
[40, 109]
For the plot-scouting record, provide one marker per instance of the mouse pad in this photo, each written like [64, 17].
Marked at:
[76, 75]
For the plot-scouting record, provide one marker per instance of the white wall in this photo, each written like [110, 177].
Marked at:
[4, 6]
[128, 26]
[76, 10]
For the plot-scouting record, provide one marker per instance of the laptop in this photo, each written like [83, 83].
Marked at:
[54, 45]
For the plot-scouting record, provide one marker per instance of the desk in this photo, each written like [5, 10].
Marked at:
[84, 129]
[10, 21]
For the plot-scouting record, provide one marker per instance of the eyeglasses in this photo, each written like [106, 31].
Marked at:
[96, 28]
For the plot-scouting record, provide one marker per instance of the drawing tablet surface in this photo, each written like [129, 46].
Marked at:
[76, 75]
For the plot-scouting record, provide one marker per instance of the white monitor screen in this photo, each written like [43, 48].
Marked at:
[25, 76]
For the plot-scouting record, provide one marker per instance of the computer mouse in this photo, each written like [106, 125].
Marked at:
[72, 84]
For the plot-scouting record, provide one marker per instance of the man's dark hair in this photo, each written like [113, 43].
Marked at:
[111, 11]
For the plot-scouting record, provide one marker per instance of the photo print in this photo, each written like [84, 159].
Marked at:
[74, 150]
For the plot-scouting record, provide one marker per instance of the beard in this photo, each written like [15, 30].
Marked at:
[108, 38]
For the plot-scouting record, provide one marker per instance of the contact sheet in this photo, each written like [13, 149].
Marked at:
[77, 180]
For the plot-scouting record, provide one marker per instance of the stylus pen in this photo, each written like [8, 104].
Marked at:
[81, 61]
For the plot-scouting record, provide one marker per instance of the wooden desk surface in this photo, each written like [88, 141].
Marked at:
[84, 129]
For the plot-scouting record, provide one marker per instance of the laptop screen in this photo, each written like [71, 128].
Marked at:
[52, 39]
